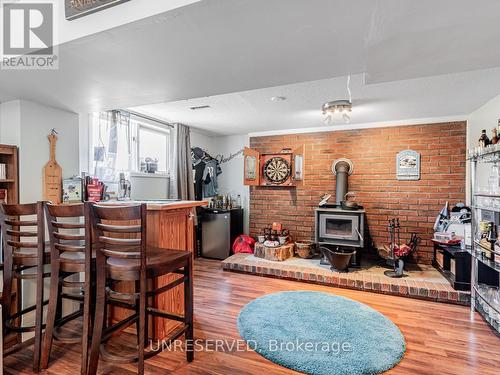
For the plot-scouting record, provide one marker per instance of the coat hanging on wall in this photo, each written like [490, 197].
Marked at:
[206, 170]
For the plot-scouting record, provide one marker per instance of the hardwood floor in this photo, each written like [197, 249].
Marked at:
[441, 338]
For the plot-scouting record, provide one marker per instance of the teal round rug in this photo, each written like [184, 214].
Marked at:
[321, 334]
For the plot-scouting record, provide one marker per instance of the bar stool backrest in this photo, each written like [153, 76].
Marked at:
[119, 231]
[66, 228]
[23, 227]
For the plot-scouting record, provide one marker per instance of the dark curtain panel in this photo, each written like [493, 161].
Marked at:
[182, 184]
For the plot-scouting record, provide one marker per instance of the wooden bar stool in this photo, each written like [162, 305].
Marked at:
[122, 254]
[25, 258]
[69, 261]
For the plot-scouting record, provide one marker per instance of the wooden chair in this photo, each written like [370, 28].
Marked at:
[25, 256]
[122, 254]
[68, 261]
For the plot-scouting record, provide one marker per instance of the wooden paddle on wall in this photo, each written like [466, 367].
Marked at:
[52, 174]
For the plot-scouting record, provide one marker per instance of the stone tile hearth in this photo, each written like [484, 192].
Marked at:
[421, 281]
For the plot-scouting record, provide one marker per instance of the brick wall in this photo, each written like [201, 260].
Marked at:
[373, 152]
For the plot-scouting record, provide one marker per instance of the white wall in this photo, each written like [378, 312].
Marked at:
[10, 122]
[485, 117]
[27, 124]
[84, 140]
[231, 179]
[204, 141]
[36, 124]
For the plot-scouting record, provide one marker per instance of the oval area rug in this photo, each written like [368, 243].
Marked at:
[321, 334]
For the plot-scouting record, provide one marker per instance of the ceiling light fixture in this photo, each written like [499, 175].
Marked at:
[339, 109]
[278, 98]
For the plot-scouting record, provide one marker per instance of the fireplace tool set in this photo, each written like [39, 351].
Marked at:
[398, 251]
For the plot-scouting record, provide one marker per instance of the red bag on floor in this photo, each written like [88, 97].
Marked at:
[243, 244]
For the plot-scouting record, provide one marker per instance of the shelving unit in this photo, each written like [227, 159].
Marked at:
[485, 273]
[9, 157]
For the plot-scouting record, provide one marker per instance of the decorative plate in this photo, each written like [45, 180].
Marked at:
[277, 170]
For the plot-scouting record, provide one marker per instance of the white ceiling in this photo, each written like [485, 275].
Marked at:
[253, 111]
[217, 47]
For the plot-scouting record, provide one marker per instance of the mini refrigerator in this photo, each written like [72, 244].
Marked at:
[219, 229]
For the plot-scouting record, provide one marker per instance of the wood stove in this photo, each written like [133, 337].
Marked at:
[336, 226]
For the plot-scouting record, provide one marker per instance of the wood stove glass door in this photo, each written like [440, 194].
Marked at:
[339, 227]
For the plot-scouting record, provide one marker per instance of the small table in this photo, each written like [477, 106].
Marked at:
[277, 254]
[459, 274]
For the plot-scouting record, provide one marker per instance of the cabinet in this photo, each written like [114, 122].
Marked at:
[454, 264]
[485, 273]
[285, 168]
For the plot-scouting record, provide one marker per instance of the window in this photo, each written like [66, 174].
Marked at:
[120, 143]
[153, 144]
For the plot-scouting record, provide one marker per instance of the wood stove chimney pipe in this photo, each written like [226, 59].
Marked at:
[341, 168]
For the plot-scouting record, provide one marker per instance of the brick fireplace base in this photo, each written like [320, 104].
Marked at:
[422, 281]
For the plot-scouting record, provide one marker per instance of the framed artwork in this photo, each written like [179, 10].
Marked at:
[408, 165]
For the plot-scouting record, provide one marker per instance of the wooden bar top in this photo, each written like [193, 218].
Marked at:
[159, 205]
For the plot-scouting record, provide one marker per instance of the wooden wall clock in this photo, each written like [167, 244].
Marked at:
[278, 169]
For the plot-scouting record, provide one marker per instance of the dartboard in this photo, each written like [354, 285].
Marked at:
[276, 170]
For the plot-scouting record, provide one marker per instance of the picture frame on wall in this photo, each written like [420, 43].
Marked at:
[408, 165]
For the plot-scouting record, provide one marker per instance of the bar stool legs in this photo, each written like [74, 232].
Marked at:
[68, 260]
[188, 309]
[51, 312]
[99, 315]
[37, 347]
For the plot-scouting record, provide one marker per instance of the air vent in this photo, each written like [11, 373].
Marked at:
[200, 107]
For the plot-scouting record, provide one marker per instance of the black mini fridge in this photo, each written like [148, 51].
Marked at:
[219, 229]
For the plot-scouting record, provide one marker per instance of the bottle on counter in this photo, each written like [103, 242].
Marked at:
[238, 201]
[491, 238]
[484, 140]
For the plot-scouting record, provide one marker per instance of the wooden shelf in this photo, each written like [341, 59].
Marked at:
[9, 157]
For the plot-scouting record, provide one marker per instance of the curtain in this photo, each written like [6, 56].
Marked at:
[112, 154]
[181, 181]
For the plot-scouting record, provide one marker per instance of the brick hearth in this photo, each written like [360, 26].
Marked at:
[422, 282]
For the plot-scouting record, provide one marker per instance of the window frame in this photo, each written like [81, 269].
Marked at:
[134, 130]
[137, 148]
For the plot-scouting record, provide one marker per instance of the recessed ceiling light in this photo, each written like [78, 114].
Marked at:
[278, 98]
[199, 107]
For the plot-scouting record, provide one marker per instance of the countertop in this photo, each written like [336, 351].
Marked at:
[160, 205]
